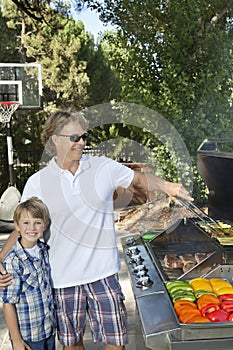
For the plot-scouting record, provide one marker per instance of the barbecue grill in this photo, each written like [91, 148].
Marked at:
[148, 273]
[215, 165]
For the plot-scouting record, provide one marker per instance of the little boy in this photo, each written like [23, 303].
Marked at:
[28, 302]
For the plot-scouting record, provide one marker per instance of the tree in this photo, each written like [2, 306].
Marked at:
[64, 68]
[127, 63]
[39, 11]
[182, 61]
[104, 85]
[8, 43]
[178, 61]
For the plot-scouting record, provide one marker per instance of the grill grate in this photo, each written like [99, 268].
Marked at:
[185, 238]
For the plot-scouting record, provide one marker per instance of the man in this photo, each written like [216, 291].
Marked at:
[78, 190]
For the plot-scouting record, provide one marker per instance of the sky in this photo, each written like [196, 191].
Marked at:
[91, 21]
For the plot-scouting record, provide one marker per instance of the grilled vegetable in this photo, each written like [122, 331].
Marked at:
[206, 299]
[227, 305]
[201, 284]
[200, 292]
[172, 284]
[189, 297]
[183, 288]
[180, 303]
[218, 316]
[198, 279]
[185, 317]
[230, 317]
[225, 290]
[223, 297]
[223, 234]
[218, 283]
[207, 303]
[205, 310]
[180, 290]
[185, 308]
[198, 319]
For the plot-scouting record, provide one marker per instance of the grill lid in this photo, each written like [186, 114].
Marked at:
[215, 165]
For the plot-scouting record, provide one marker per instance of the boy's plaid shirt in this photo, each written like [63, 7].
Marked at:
[31, 292]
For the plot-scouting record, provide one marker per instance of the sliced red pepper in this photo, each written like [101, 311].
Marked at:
[226, 302]
[209, 308]
[228, 308]
[217, 316]
[223, 297]
[230, 317]
[227, 305]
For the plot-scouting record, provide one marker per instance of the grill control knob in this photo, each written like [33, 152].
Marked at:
[141, 273]
[136, 259]
[144, 282]
[133, 251]
[139, 268]
[130, 240]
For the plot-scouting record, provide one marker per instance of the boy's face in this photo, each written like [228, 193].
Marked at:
[31, 229]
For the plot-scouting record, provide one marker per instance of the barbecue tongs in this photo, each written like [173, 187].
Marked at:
[201, 215]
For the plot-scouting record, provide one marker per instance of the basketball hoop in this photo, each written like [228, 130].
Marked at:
[6, 110]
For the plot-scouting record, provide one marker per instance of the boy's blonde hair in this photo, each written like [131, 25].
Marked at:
[35, 207]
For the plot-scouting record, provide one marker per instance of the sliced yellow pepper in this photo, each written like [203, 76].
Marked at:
[224, 290]
[199, 284]
[198, 279]
[218, 280]
[218, 283]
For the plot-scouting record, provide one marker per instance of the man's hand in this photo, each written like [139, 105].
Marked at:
[5, 278]
[175, 190]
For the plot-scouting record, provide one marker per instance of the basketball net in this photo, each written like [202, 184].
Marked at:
[6, 110]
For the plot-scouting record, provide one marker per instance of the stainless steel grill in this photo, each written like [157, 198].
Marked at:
[145, 260]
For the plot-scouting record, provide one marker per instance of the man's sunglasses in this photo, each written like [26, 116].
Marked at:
[75, 137]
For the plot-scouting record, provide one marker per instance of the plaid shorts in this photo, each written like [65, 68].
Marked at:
[103, 301]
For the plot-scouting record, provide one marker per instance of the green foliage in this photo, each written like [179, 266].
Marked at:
[8, 43]
[200, 191]
[64, 72]
[176, 58]
[104, 82]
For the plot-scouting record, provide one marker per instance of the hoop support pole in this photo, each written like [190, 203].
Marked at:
[10, 155]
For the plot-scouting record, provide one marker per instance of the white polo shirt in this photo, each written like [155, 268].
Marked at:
[82, 237]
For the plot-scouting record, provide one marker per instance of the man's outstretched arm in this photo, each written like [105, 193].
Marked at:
[153, 183]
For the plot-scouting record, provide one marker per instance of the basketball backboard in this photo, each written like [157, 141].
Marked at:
[21, 82]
